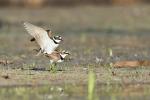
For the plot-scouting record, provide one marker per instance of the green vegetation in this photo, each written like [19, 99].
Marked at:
[110, 51]
[91, 85]
[53, 68]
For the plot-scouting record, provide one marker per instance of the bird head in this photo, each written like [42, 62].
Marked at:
[57, 39]
[64, 53]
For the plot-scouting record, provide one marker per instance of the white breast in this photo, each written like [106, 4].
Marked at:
[49, 46]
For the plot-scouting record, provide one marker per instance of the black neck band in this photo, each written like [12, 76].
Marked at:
[61, 57]
[55, 41]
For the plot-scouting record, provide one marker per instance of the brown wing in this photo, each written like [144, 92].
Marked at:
[54, 56]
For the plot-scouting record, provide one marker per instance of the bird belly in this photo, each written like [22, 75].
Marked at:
[60, 60]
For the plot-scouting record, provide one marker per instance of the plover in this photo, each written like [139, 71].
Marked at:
[57, 57]
[44, 38]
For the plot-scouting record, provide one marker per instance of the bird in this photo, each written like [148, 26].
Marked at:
[57, 56]
[43, 37]
[48, 44]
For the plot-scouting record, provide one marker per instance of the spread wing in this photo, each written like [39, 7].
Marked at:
[39, 34]
[48, 32]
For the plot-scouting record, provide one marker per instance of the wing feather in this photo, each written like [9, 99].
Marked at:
[54, 55]
[39, 34]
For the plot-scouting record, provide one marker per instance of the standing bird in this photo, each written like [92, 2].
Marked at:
[56, 56]
[44, 38]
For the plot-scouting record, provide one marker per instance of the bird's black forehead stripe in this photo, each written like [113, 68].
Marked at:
[54, 41]
[57, 37]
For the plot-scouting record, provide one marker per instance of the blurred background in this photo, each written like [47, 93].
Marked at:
[77, 15]
[40, 3]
